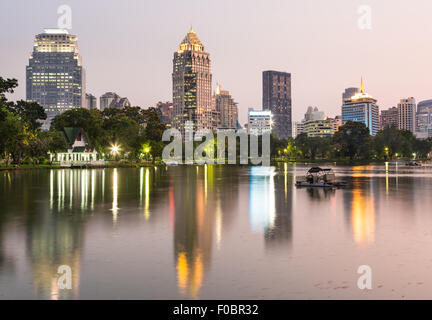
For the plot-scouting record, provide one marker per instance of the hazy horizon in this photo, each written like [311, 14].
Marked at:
[127, 47]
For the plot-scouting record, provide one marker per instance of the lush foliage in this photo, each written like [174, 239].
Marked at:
[136, 133]
[352, 142]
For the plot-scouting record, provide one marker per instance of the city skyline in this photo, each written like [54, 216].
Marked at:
[253, 48]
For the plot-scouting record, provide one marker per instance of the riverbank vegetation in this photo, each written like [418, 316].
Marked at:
[133, 136]
[353, 143]
[133, 133]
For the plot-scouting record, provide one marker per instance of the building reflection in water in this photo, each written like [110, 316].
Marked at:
[55, 236]
[270, 205]
[262, 207]
[200, 205]
[360, 209]
[192, 230]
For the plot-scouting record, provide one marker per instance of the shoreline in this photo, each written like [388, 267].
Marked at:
[273, 163]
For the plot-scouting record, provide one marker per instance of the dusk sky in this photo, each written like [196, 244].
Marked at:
[128, 46]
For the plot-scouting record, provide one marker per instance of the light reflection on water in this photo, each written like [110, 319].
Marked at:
[214, 232]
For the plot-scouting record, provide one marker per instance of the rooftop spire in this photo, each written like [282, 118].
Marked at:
[361, 85]
[218, 89]
[190, 42]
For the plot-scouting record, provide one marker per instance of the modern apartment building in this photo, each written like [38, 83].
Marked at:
[277, 99]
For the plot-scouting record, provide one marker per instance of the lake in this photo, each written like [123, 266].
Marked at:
[215, 232]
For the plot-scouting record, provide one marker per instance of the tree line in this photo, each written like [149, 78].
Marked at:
[136, 133]
[352, 142]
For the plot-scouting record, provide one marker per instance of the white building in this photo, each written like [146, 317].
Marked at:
[316, 124]
[406, 114]
[79, 152]
[259, 122]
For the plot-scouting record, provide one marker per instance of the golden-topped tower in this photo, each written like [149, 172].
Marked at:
[192, 84]
[190, 42]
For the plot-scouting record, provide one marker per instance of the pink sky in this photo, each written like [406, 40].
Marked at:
[127, 46]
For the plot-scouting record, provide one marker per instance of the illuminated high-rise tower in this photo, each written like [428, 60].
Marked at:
[55, 77]
[362, 107]
[192, 85]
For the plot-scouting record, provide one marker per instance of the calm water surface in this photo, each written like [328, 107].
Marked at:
[215, 232]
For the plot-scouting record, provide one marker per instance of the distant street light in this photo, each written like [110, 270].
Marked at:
[115, 149]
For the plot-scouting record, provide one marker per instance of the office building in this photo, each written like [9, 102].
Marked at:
[192, 85]
[389, 118]
[226, 108]
[55, 77]
[316, 124]
[259, 122]
[277, 99]
[349, 92]
[424, 118]
[362, 108]
[91, 101]
[406, 114]
[113, 100]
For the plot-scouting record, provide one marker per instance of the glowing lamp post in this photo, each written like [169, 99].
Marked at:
[115, 150]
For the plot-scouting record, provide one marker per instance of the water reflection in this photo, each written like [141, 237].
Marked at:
[193, 232]
[318, 194]
[270, 205]
[262, 198]
[190, 217]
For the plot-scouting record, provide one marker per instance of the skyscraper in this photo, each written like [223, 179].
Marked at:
[389, 118]
[349, 92]
[361, 107]
[91, 101]
[424, 118]
[192, 84]
[406, 114]
[55, 77]
[113, 100]
[226, 109]
[277, 99]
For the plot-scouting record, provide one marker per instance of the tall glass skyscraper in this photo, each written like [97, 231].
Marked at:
[55, 77]
[277, 99]
[192, 85]
[424, 118]
[361, 107]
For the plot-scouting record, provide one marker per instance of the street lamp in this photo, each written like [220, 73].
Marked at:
[115, 149]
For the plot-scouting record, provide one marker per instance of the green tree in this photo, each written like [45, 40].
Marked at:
[353, 140]
[30, 112]
[90, 120]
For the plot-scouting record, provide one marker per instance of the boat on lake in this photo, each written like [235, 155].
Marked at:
[413, 164]
[319, 177]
